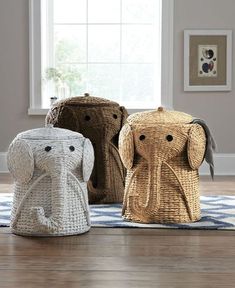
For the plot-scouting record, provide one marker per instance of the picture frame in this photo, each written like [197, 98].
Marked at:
[207, 60]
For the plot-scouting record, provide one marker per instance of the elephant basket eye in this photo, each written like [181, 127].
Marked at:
[142, 137]
[48, 148]
[87, 118]
[71, 148]
[115, 116]
[169, 138]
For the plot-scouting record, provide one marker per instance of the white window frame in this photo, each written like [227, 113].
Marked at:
[35, 57]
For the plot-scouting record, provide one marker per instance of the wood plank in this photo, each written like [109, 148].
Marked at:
[125, 240]
[114, 279]
[126, 263]
[40, 249]
[147, 232]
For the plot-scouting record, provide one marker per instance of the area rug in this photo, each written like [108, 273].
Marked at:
[218, 213]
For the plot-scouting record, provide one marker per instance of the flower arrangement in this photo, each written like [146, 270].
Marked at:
[64, 79]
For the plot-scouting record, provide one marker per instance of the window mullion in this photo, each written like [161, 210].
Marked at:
[120, 80]
[35, 54]
[87, 47]
[49, 55]
[50, 34]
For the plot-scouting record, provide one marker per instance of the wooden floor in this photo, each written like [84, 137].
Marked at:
[122, 257]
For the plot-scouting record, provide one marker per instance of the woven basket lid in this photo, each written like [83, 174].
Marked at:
[49, 133]
[159, 116]
[87, 101]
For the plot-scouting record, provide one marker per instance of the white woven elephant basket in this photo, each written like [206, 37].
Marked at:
[50, 167]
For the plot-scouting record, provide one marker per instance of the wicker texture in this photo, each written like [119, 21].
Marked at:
[162, 153]
[100, 120]
[51, 167]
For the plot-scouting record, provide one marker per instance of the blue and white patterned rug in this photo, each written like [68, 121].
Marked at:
[218, 213]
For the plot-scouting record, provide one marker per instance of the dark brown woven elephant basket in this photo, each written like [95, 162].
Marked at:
[100, 120]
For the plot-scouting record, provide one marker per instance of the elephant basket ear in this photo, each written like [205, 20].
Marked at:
[124, 114]
[196, 146]
[20, 161]
[87, 160]
[126, 146]
[51, 117]
[67, 119]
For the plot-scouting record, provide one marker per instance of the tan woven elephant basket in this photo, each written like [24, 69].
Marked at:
[162, 151]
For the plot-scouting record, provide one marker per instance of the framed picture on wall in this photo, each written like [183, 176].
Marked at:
[207, 60]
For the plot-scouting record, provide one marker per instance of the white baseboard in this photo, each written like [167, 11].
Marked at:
[3, 162]
[224, 164]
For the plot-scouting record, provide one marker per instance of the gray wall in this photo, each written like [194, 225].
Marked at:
[216, 108]
[14, 71]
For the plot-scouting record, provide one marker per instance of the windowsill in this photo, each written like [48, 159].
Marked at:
[43, 111]
[37, 111]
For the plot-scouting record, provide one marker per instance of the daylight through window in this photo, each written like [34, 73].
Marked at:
[108, 48]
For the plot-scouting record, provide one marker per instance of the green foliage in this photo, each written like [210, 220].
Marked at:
[69, 74]
[53, 74]
[64, 73]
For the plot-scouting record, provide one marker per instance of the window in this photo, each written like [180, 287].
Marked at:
[108, 48]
